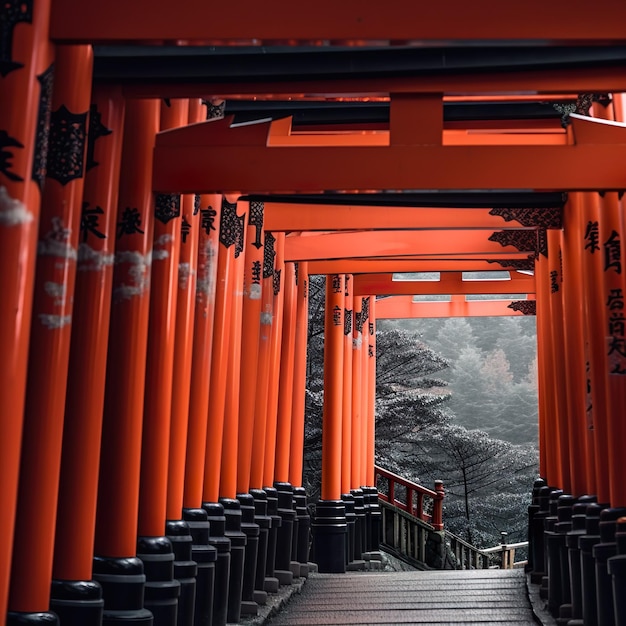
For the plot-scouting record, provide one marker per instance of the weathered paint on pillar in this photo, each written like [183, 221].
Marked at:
[299, 376]
[357, 363]
[371, 396]
[250, 329]
[31, 571]
[333, 379]
[263, 370]
[274, 364]
[206, 208]
[118, 490]
[228, 472]
[26, 75]
[82, 434]
[157, 409]
[285, 394]
[346, 434]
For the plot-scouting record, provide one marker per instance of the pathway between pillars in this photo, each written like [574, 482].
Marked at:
[432, 597]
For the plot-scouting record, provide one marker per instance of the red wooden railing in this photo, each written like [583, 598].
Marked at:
[417, 497]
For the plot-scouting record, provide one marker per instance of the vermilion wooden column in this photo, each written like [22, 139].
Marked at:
[573, 291]
[31, 570]
[550, 452]
[330, 521]
[26, 87]
[365, 382]
[371, 397]
[594, 312]
[558, 372]
[346, 434]
[115, 566]
[357, 363]
[82, 434]
[274, 364]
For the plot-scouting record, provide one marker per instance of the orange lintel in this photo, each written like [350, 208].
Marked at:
[374, 266]
[283, 216]
[392, 243]
[186, 161]
[76, 21]
[403, 307]
[449, 283]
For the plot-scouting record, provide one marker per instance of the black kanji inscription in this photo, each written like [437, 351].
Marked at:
[90, 221]
[68, 136]
[256, 220]
[167, 207]
[554, 281]
[592, 237]
[347, 322]
[185, 229]
[196, 204]
[336, 283]
[207, 219]
[366, 309]
[256, 272]
[6, 143]
[358, 321]
[231, 227]
[130, 223]
[42, 132]
[613, 253]
[96, 130]
[370, 351]
[269, 255]
[12, 13]
[337, 316]
[276, 281]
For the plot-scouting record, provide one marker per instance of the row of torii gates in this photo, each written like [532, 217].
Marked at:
[155, 247]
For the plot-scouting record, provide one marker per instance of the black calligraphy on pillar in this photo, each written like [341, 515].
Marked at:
[305, 289]
[358, 321]
[256, 272]
[6, 143]
[90, 221]
[185, 229]
[167, 207]
[256, 220]
[347, 322]
[42, 130]
[337, 316]
[613, 253]
[589, 393]
[276, 281]
[231, 227]
[551, 217]
[366, 310]
[207, 219]
[592, 237]
[525, 307]
[68, 137]
[336, 283]
[12, 13]
[129, 223]
[616, 326]
[196, 203]
[370, 351]
[371, 326]
[96, 130]
[269, 255]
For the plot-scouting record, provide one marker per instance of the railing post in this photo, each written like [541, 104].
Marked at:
[503, 551]
[392, 491]
[438, 506]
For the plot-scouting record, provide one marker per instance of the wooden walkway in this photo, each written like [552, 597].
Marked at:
[433, 597]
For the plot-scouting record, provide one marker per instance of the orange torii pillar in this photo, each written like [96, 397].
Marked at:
[271, 425]
[300, 554]
[153, 548]
[374, 525]
[176, 529]
[40, 466]
[550, 452]
[346, 420]
[265, 581]
[79, 598]
[284, 489]
[580, 443]
[228, 468]
[250, 331]
[222, 324]
[206, 208]
[116, 567]
[26, 87]
[365, 374]
[330, 527]
[357, 425]
[595, 345]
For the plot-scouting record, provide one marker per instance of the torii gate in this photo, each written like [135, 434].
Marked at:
[135, 495]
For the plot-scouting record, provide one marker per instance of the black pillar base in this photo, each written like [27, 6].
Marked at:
[348, 500]
[284, 539]
[252, 532]
[264, 522]
[375, 520]
[123, 583]
[329, 536]
[303, 537]
[217, 521]
[359, 529]
[77, 602]
[14, 618]
[271, 582]
[185, 569]
[232, 513]
[205, 556]
[161, 591]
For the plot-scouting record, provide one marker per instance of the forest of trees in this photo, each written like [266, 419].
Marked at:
[456, 400]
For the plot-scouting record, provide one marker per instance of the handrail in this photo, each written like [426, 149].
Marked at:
[415, 494]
